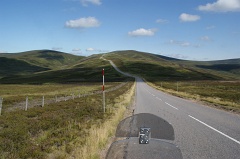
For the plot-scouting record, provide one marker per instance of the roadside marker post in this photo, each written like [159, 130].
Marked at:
[26, 104]
[1, 101]
[104, 107]
[43, 101]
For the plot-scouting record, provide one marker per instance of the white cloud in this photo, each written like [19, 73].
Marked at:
[57, 48]
[85, 22]
[183, 43]
[221, 6]
[142, 32]
[180, 43]
[189, 18]
[94, 2]
[205, 38]
[90, 49]
[162, 21]
[76, 49]
[2, 52]
[210, 27]
[177, 56]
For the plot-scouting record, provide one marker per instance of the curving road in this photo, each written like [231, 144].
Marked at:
[201, 132]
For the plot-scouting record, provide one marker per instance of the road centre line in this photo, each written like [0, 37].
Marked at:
[159, 99]
[215, 129]
[171, 106]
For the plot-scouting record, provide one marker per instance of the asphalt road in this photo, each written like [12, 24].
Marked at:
[201, 132]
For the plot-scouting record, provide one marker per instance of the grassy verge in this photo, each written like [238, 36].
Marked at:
[60, 130]
[14, 96]
[220, 94]
[100, 134]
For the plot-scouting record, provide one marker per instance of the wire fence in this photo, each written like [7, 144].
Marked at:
[41, 101]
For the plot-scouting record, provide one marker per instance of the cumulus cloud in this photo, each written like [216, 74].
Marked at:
[221, 6]
[142, 32]
[205, 38]
[85, 22]
[180, 43]
[1, 52]
[162, 21]
[94, 2]
[177, 56]
[90, 49]
[76, 49]
[189, 18]
[183, 43]
[210, 27]
[57, 48]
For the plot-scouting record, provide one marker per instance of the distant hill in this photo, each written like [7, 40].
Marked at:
[46, 58]
[10, 66]
[230, 66]
[44, 66]
[87, 70]
[157, 67]
[35, 61]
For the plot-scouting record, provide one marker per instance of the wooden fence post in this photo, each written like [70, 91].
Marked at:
[26, 104]
[1, 101]
[73, 96]
[43, 101]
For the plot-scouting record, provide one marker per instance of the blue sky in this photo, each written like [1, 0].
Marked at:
[186, 29]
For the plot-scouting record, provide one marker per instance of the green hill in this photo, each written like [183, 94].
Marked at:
[87, 70]
[46, 58]
[55, 67]
[160, 68]
[10, 66]
[25, 63]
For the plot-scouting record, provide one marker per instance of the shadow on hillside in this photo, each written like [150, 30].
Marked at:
[67, 76]
[80, 74]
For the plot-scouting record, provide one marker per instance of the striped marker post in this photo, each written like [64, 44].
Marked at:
[103, 92]
[1, 101]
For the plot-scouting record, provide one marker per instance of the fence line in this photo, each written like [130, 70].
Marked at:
[29, 102]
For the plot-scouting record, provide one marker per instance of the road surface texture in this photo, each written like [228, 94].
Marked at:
[201, 132]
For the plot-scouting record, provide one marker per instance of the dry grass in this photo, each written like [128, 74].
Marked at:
[208, 100]
[64, 129]
[99, 134]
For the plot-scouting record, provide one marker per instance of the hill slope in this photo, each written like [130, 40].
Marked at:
[30, 62]
[160, 68]
[10, 66]
[46, 58]
[87, 70]
[64, 68]
[230, 66]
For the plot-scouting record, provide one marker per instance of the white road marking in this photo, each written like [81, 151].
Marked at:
[171, 106]
[215, 129]
[153, 95]
[159, 99]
